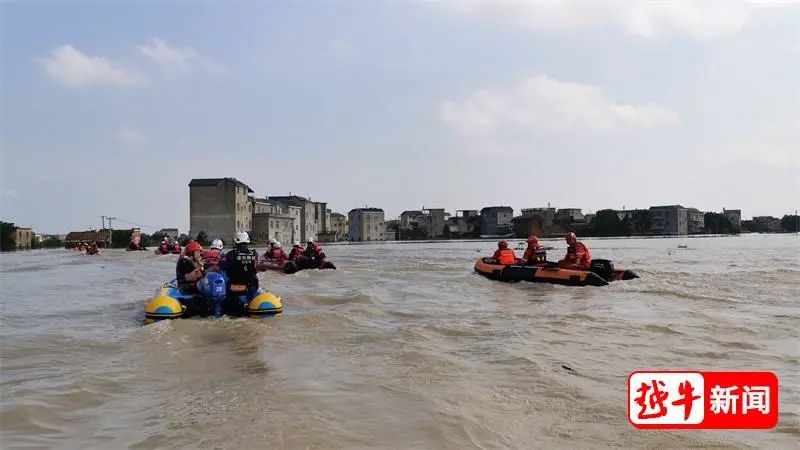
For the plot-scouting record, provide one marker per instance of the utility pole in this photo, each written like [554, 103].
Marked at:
[110, 231]
[104, 228]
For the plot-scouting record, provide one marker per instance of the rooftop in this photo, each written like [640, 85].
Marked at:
[367, 209]
[667, 207]
[212, 182]
[289, 199]
[95, 235]
[489, 208]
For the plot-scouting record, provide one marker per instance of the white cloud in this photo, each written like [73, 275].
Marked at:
[697, 18]
[69, 66]
[547, 105]
[171, 59]
[131, 136]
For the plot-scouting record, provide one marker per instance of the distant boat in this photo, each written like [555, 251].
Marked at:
[497, 236]
[683, 246]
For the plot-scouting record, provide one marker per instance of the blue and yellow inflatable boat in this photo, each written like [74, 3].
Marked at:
[169, 302]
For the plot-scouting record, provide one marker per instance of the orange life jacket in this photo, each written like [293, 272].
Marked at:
[505, 256]
[578, 255]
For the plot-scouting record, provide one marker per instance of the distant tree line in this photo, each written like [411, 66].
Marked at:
[606, 222]
[791, 223]
[8, 236]
[717, 223]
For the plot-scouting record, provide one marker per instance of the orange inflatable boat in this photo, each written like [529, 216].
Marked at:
[602, 273]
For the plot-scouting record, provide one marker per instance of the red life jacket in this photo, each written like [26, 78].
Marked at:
[164, 248]
[176, 248]
[212, 256]
[277, 253]
[296, 253]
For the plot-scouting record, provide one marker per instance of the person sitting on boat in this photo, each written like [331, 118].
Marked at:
[212, 256]
[277, 253]
[270, 248]
[313, 253]
[504, 255]
[535, 253]
[91, 249]
[190, 269]
[164, 246]
[296, 252]
[240, 265]
[578, 256]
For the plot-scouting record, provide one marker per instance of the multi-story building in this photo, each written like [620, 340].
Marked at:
[436, 219]
[696, 221]
[409, 219]
[534, 221]
[313, 216]
[425, 224]
[496, 220]
[669, 220]
[735, 216]
[465, 223]
[24, 237]
[366, 224]
[338, 224]
[220, 207]
[569, 215]
[272, 220]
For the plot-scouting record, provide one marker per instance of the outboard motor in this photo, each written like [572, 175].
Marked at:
[602, 267]
[213, 286]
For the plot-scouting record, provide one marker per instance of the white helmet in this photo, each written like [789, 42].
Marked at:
[241, 237]
[272, 241]
[297, 243]
[277, 244]
[309, 241]
[217, 244]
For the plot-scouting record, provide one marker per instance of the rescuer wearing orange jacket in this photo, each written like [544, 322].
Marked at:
[578, 256]
[504, 255]
[535, 253]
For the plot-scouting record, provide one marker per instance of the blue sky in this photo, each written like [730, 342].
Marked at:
[111, 108]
